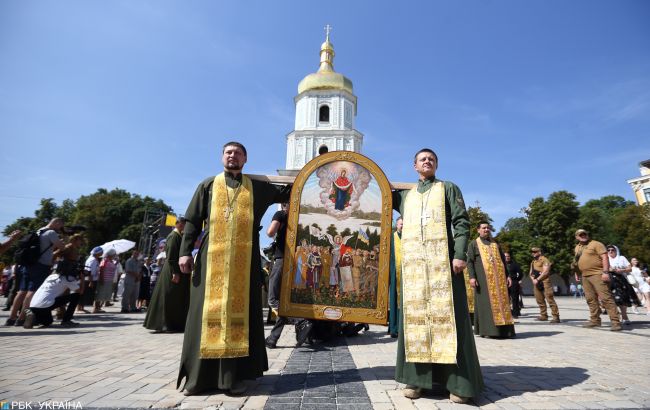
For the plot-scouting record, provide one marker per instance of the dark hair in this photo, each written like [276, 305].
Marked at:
[234, 144]
[323, 150]
[483, 222]
[429, 150]
[181, 220]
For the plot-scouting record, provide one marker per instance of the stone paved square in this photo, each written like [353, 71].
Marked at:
[111, 361]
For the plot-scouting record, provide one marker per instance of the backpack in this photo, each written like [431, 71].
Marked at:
[29, 249]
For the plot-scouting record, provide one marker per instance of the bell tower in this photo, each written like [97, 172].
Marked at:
[325, 111]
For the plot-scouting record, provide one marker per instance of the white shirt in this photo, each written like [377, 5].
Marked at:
[92, 266]
[53, 287]
[119, 270]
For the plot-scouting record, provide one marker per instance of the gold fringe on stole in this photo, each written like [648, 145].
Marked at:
[429, 321]
[469, 290]
[224, 330]
[496, 283]
[397, 245]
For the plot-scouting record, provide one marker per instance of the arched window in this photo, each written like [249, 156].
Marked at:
[324, 113]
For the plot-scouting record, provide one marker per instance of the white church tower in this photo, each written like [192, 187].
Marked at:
[325, 110]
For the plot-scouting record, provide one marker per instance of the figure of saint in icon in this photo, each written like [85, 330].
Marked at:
[341, 192]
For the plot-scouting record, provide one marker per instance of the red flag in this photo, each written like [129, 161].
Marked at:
[345, 248]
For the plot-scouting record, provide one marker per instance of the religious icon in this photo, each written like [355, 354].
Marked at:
[341, 192]
[338, 241]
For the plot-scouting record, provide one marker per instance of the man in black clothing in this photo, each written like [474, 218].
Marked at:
[277, 229]
[514, 271]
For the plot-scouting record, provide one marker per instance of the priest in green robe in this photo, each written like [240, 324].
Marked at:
[435, 343]
[394, 276]
[171, 296]
[489, 279]
[224, 336]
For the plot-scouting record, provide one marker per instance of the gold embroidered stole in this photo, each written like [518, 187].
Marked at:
[429, 322]
[397, 246]
[224, 330]
[496, 283]
[469, 290]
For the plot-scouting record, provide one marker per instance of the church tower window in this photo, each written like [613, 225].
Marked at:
[324, 113]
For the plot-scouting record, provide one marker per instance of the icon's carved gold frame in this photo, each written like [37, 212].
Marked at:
[324, 312]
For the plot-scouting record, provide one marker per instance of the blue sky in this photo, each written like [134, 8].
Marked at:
[519, 99]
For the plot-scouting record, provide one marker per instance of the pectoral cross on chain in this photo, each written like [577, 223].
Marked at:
[424, 220]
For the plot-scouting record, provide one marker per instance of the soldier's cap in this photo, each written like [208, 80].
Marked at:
[581, 231]
[535, 249]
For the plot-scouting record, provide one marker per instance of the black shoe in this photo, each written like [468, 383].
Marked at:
[393, 335]
[303, 331]
[69, 323]
[29, 320]
[20, 322]
[6, 308]
[10, 322]
[366, 327]
[124, 311]
[270, 344]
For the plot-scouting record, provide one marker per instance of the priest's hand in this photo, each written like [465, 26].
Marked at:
[176, 278]
[509, 281]
[186, 264]
[472, 283]
[458, 265]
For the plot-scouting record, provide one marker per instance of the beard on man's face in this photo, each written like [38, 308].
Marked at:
[232, 166]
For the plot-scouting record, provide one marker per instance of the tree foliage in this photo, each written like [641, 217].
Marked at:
[476, 215]
[107, 215]
[598, 215]
[632, 226]
[551, 224]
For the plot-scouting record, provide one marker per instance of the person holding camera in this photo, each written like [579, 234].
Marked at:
[59, 289]
[34, 274]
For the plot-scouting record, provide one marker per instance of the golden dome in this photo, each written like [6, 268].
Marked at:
[325, 78]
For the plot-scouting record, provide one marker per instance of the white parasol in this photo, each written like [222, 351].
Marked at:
[120, 245]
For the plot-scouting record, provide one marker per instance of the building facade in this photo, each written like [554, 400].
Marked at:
[641, 185]
[326, 108]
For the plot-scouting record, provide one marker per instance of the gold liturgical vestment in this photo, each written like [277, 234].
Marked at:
[495, 274]
[470, 291]
[429, 322]
[224, 331]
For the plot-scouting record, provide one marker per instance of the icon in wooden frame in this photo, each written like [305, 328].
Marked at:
[337, 251]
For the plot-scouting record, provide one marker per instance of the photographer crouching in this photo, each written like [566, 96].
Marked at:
[59, 289]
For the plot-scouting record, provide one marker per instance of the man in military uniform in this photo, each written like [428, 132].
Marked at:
[540, 272]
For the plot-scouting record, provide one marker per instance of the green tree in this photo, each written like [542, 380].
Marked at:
[598, 215]
[107, 215]
[552, 224]
[476, 215]
[515, 238]
[114, 214]
[632, 224]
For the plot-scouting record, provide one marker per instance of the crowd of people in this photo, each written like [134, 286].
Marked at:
[210, 287]
[57, 278]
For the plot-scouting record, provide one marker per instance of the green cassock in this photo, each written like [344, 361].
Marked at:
[170, 301]
[463, 378]
[483, 319]
[205, 374]
[393, 309]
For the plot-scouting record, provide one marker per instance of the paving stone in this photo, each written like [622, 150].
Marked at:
[563, 366]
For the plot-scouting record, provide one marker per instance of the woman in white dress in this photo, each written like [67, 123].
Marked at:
[642, 286]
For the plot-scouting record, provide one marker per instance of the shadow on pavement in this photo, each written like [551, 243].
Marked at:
[527, 335]
[54, 330]
[510, 381]
[293, 384]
